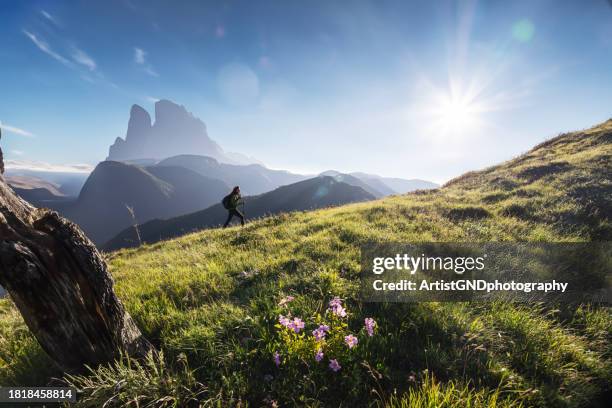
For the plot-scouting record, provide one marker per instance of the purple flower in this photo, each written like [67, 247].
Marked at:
[335, 302]
[370, 324]
[319, 355]
[351, 341]
[335, 305]
[285, 300]
[339, 311]
[277, 360]
[284, 321]
[297, 325]
[334, 366]
[320, 333]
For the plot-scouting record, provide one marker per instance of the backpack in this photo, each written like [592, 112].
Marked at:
[226, 201]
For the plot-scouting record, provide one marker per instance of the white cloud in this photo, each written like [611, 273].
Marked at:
[44, 47]
[42, 166]
[149, 70]
[80, 57]
[140, 58]
[139, 55]
[17, 152]
[151, 99]
[15, 130]
[50, 17]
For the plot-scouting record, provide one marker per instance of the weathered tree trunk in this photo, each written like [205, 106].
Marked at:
[62, 287]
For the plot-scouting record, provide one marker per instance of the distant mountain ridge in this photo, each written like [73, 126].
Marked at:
[381, 186]
[314, 193]
[67, 184]
[253, 179]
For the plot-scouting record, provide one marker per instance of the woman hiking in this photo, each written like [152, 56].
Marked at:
[231, 203]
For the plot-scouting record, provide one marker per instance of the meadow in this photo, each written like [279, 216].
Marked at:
[233, 311]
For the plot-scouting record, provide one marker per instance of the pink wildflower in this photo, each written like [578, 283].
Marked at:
[336, 301]
[320, 333]
[284, 321]
[370, 324]
[277, 360]
[334, 365]
[351, 341]
[297, 325]
[336, 307]
[319, 355]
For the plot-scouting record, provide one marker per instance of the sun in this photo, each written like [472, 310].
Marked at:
[456, 114]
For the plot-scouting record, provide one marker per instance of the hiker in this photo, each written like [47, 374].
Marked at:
[230, 203]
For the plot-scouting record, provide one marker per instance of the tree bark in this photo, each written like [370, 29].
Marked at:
[62, 287]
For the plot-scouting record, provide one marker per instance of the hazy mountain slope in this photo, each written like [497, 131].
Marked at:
[35, 190]
[30, 182]
[381, 186]
[305, 195]
[67, 184]
[398, 185]
[253, 179]
[101, 209]
[354, 181]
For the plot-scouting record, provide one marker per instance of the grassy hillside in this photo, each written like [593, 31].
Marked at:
[211, 301]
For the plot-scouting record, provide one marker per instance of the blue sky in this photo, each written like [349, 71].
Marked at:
[425, 89]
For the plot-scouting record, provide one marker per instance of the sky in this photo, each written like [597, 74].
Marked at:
[412, 89]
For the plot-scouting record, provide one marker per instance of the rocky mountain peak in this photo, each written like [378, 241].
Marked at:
[139, 124]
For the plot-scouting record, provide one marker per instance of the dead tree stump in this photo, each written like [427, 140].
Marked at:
[62, 287]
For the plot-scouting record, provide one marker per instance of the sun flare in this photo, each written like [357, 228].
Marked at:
[457, 114]
[453, 114]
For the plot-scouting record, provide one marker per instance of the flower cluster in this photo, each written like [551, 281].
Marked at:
[296, 324]
[329, 338]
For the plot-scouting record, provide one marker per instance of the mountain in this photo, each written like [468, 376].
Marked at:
[379, 192]
[381, 186]
[309, 194]
[253, 179]
[101, 209]
[398, 185]
[175, 131]
[67, 184]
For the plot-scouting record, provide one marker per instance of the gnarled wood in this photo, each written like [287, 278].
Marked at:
[61, 285]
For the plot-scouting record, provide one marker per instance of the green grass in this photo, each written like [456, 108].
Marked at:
[210, 301]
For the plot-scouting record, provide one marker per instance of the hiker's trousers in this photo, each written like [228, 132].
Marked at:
[233, 212]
